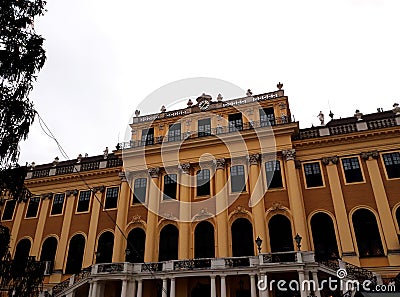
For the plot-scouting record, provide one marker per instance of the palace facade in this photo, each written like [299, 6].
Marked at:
[210, 199]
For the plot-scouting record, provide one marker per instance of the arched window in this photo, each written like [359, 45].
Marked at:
[135, 248]
[323, 233]
[242, 238]
[49, 249]
[168, 248]
[105, 248]
[22, 250]
[204, 240]
[367, 233]
[280, 234]
[75, 254]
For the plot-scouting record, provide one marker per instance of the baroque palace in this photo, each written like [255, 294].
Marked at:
[216, 198]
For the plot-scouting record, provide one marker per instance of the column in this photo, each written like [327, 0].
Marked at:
[221, 209]
[264, 293]
[296, 198]
[382, 204]
[223, 286]
[303, 293]
[62, 245]
[94, 289]
[124, 288]
[253, 290]
[172, 288]
[257, 200]
[152, 217]
[43, 214]
[90, 289]
[342, 220]
[213, 287]
[131, 288]
[94, 219]
[184, 213]
[139, 288]
[122, 214]
[17, 223]
[164, 287]
[315, 279]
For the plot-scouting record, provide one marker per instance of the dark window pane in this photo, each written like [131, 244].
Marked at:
[392, 164]
[174, 132]
[313, 174]
[58, 203]
[267, 117]
[204, 127]
[235, 122]
[170, 186]
[147, 136]
[9, 209]
[83, 201]
[203, 182]
[33, 207]
[168, 246]
[274, 174]
[111, 198]
[238, 183]
[139, 190]
[352, 170]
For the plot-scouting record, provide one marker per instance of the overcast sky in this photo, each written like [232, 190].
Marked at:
[105, 57]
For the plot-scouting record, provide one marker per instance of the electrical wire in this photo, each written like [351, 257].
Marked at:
[48, 132]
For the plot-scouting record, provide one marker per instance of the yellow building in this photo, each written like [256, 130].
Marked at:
[177, 210]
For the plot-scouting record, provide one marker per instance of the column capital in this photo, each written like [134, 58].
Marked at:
[122, 176]
[367, 155]
[289, 154]
[220, 163]
[154, 172]
[185, 167]
[254, 159]
[327, 160]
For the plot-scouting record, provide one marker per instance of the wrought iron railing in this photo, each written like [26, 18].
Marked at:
[219, 130]
[280, 257]
[359, 272]
[60, 287]
[153, 266]
[110, 267]
[85, 273]
[192, 264]
[237, 262]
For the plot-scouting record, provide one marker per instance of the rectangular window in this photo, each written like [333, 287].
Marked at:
[111, 198]
[238, 183]
[170, 186]
[274, 174]
[139, 190]
[267, 117]
[147, 136]
[203, 182]
[9, 210]
[392, 164]
[235, 122]
[33, 207]
[352, 170]
[312, 172]
[58, 204]
[204, 127]
[174, 132]
[83, 201]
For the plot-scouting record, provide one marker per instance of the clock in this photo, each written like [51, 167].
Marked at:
[204, 105]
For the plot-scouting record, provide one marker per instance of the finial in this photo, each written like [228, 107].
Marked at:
[105, 153]
[79, 158]
[219, 98]
[279, 86]
[163, 109]
[189, 103]
[86, 155]
[358, 115]
[249, 93]
[33, 165]
[321, 118]
[56, 160]
[396, 109]
[331, 114]
[137, 112]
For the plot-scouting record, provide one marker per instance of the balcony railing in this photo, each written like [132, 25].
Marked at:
[219, 130]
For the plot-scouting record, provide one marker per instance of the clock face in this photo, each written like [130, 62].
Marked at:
[204, 105]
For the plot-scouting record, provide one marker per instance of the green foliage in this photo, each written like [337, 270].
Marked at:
[21, 57]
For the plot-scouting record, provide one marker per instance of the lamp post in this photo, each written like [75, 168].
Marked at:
[258, 243]
[298, 239]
